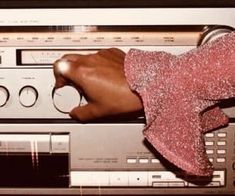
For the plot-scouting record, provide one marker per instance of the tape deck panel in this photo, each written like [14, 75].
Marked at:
[96, 168]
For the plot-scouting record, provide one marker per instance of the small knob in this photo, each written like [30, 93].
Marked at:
[66, 98]
[4, 96]
[28, 96]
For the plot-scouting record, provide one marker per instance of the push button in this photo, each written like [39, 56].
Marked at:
[222, 134]
[60, 143]
[118, 178]
[221, 160]
[155, 161]
[221, 143]
[131, 160]
[210, 135]
[221, 151]
[138, 179]
[209, 143]
[209, 151]
[143, 160]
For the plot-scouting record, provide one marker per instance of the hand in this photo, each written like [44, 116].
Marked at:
[101, 79]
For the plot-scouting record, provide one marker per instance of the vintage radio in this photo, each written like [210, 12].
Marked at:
[43, 151]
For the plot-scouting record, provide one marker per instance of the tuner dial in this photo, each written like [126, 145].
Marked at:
[4, 96]
[28, 96]
[66, 98]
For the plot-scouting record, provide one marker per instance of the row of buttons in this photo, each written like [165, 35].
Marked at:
[145, 161]
[220, 151]
[218, 143]
[138, 178]
[219, 134]
[154, 160]
[141, 160]
[218, 160]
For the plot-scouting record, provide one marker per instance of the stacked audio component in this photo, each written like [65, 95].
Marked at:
[43, 151]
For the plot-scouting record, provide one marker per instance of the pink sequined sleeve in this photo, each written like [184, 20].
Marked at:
[179, 94]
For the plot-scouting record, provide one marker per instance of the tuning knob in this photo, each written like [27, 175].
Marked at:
[4, 96]
[66, 98]
[213, 33]
[28, 96]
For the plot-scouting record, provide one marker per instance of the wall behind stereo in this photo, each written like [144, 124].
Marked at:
[113, 3]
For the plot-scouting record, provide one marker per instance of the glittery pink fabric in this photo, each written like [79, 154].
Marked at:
[180, 94]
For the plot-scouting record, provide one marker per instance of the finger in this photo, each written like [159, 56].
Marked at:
[65, 72]
[74, 57]
[62, 64]
[59, 68]
[118, 52]
[84, 113]
[113, 53]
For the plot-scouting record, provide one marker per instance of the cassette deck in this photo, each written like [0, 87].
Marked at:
[57, 155]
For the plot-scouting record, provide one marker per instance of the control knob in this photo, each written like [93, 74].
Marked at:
[66, 98]
[4, 96]
[28, 96]
[212, 33]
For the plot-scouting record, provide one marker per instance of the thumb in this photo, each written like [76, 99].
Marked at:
[85, 112]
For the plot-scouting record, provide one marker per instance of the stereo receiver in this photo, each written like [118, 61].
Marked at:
[43, 151]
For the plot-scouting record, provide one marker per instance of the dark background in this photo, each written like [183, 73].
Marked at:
[113, 3]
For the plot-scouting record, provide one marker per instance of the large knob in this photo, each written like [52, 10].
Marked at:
[4, 95]
[66, 98]
[213, 33]
[28, 96]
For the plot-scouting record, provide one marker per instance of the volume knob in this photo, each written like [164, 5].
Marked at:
[66, 98]
[4, 96]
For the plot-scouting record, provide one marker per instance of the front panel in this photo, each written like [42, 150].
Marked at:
[57, 155]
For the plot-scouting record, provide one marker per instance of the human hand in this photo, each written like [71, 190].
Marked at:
[101, 79]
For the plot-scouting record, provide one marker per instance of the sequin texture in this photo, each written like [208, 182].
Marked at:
[180, 94]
